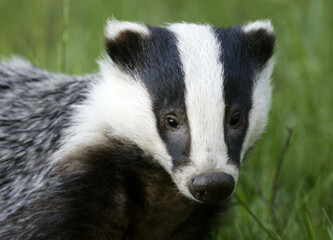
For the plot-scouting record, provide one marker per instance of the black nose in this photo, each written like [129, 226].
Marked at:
[212, 187]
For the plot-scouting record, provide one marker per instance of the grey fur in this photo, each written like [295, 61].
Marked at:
[35, 109]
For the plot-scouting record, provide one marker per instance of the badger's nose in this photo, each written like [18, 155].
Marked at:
[212, 187]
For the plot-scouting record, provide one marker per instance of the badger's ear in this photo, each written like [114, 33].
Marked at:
[261, 38]
[124, 41]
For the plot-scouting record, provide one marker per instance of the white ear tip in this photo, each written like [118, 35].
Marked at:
[257, 25]
[114, 27]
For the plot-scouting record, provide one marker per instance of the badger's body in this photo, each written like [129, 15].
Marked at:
[146, 148]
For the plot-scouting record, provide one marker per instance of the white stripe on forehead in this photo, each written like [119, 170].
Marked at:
[200, 56]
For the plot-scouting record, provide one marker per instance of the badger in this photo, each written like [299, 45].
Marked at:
[149, 147]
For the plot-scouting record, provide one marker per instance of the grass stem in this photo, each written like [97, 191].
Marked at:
[64, 36]
[276, 183]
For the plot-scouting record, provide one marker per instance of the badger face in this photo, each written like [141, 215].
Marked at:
[194, 97]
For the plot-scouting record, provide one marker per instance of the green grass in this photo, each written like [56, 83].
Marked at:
[68, 36]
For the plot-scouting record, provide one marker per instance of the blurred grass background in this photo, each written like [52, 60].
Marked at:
[294, 201]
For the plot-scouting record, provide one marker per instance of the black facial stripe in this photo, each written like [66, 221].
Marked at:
[238, 76]
[164, 78]
[155, 59]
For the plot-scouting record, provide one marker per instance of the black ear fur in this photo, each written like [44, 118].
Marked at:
[125, 48]
[261, 43]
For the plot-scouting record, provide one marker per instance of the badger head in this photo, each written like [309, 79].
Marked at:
[194, 97]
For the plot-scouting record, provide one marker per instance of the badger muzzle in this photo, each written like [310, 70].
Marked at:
[212, 186]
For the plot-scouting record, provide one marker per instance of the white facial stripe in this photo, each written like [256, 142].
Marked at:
[261, 102]
[204, 97]
[118, 106]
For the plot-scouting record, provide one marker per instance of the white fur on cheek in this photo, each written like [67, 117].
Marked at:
[200, 56]
[261, 103]
[118, 107]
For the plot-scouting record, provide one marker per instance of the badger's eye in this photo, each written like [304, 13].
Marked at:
[172, 122]
[236, 120]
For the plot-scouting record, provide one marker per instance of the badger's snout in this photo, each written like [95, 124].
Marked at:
[212, 187]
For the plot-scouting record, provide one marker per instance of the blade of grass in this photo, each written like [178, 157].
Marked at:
[261, 225]
[240, 233]
[277, 235]
[330, 227]
[64, 36]
[308, 225]
[36, 31]
[276, 179]
[306, 220]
